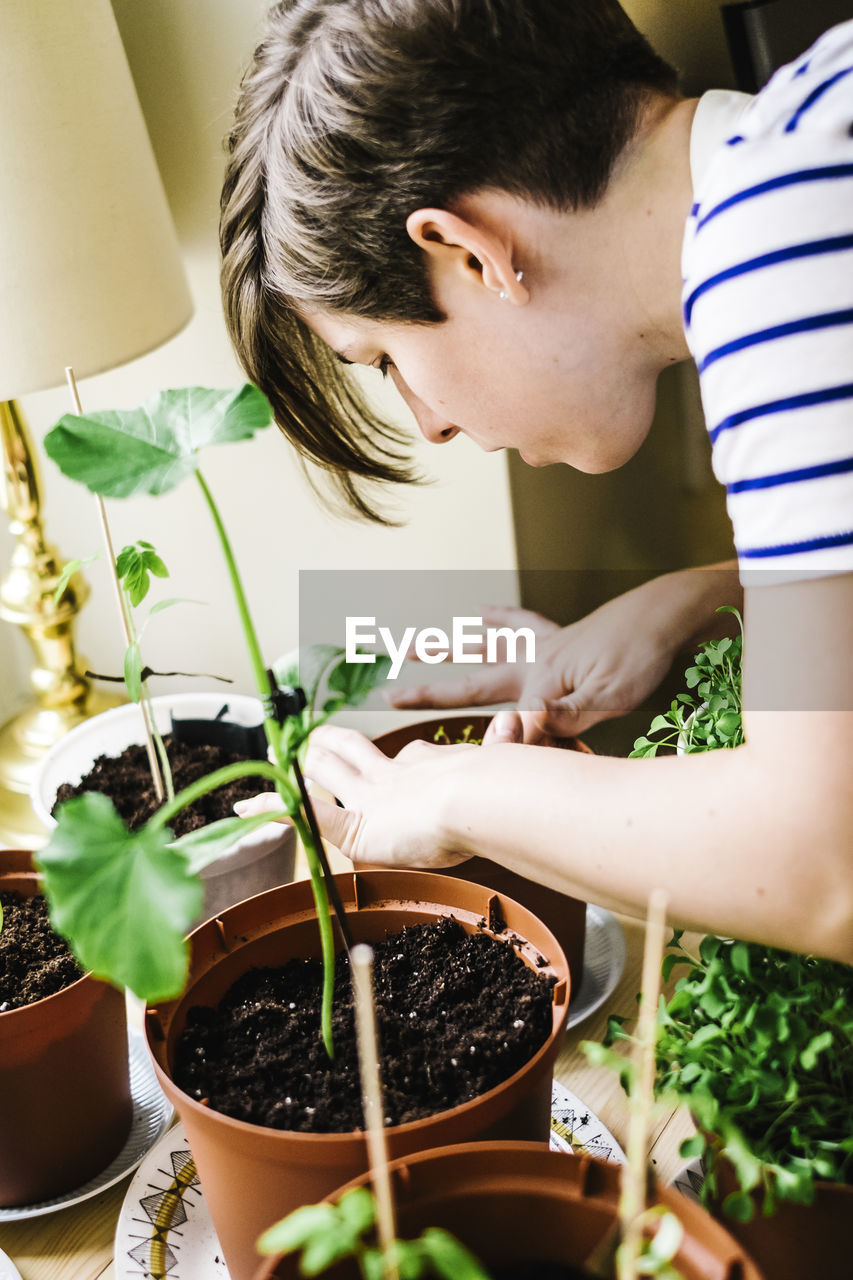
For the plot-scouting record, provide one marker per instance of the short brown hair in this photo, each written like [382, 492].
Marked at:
[356, 112]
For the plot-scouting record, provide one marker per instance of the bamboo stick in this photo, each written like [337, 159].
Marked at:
[633, 1198]
[150, 749]
[361, 963]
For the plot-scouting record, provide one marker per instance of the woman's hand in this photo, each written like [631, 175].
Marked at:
[392, 814]
[595, 669]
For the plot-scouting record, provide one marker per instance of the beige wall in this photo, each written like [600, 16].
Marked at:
[187, 57]
[689, 34]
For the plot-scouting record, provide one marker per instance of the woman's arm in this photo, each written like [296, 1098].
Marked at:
[754, 843]
[599, 667]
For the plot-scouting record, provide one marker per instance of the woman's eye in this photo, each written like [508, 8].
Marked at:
[383, 364]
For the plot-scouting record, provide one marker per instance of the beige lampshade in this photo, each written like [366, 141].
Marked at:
[90, 269]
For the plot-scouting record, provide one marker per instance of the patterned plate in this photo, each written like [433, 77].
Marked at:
[574, 1128]
[164, 1228]
[151, 1115]
[690, 1179]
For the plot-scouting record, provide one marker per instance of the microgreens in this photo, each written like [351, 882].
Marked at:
[758, 1043]
[126, 900]
[713, 717]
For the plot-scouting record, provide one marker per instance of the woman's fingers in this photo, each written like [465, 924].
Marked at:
[266, 802]
[504, 726]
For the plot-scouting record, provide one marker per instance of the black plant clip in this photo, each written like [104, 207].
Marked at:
[281, 702]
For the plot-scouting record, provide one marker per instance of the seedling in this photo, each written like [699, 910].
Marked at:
[126, 900]
[326, 1233]
[713, 717]
[467, 735]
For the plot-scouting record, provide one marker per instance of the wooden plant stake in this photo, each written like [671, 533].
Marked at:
[634, 1176]
[620, 1245]
[361, 965]
[153, 762]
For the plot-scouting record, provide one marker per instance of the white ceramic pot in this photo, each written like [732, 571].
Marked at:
[258, 861]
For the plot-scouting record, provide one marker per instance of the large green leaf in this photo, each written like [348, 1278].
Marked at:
[118, 453]
[204, 845]
[125, 900]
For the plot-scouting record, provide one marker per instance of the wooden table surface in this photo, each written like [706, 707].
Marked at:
[77, 1243]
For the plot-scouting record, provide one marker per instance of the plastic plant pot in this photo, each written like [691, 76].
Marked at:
[797, 1240]
[517, 1202]
[256, 862]
[564, 916]
[253, 1175]
[65, 1102]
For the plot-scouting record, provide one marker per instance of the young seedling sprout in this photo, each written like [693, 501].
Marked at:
[126, 900]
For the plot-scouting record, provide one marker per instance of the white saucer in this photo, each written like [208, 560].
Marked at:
[164, 1227]
[151, 1115]
[8, 1270]
[603, 962]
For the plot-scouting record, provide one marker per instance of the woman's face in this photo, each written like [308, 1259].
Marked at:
[563, 370]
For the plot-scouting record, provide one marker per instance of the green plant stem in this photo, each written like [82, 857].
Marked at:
[228, 772]
[272, 729]
[324, 924]
[159, 744]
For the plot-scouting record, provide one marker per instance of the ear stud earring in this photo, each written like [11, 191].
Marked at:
[503, 295]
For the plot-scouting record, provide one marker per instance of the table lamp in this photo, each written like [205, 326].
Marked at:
[90, 276]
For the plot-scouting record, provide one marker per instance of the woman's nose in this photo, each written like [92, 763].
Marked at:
[433, 426]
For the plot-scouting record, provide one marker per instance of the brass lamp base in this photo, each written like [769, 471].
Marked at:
[23, 741]
[63, 696]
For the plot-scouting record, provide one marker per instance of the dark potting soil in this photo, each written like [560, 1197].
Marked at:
[34, 961]
[126, 780]
[457, 1014]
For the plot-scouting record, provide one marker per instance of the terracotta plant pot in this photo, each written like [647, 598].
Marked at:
[256, 862]
[798, 1240]
[564, 916]
[517, 1202]
[253, 1175]
[65, 1104]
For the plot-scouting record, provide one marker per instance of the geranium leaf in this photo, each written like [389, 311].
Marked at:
[127, 899]
[118, 453]
[208, 843]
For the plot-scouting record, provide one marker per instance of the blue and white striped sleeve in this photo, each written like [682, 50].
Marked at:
[768, 313]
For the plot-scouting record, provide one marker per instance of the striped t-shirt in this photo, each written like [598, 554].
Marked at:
[768, 313]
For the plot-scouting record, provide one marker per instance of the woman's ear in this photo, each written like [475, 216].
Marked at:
[462, 252]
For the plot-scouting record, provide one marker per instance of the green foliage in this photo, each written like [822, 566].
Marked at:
[711, 718]
[758, 1043]
[125, 900]
[150, 450]
[67, 573]
[135, 564]
[329, 682]
[656, 1253]
[326, 1233]
[467, 735]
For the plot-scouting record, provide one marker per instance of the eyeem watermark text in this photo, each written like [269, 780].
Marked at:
[468, 641]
